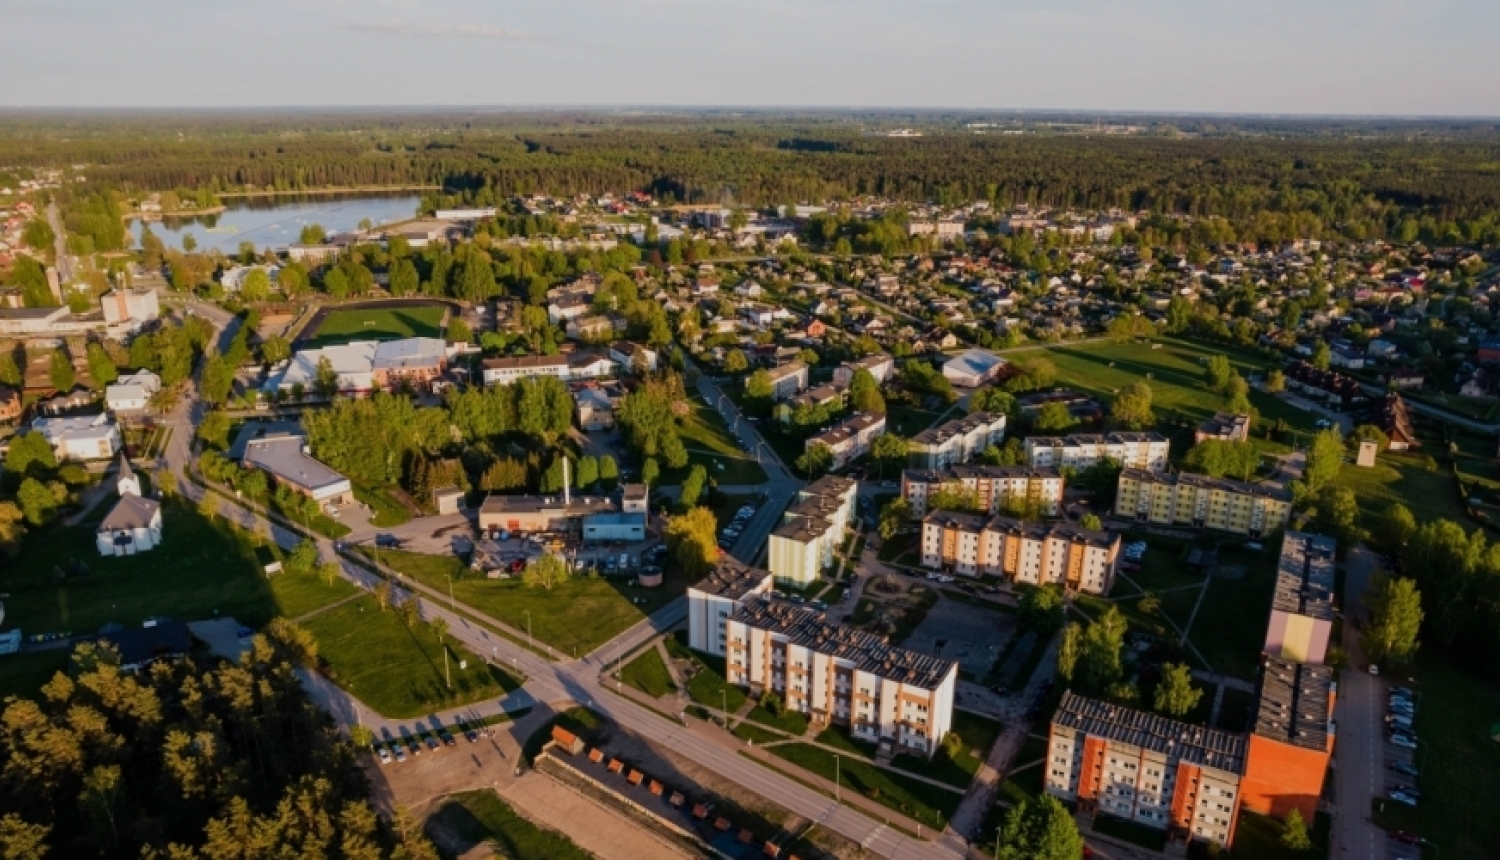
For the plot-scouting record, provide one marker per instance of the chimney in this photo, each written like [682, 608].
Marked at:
[567, 480]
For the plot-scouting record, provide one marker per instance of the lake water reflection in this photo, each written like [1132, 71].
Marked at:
[276, 222]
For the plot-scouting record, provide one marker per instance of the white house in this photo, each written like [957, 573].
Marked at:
[625, 354]
[80, 437]
[134, 525]
[132, 393]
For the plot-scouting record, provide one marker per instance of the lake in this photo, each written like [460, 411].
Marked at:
[276, 222]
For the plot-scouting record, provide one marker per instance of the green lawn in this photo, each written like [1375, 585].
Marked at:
[1460, 779]
[481, 817]
[905, 421]
[300, 593]
[913, 798]
[1132, 832]
[708, 687]
[24, 674]
[343, 326]
[577, 616]
[747, 731]
[1230, 628]
[1429, 495]
[1258, 837]
[388, 511]
[835, 736]
[710, 444]
[201, 569]
[395, 669]
[1162, 565]
[790, 721]
[978, 735]
[1174, 373]
[648, 674]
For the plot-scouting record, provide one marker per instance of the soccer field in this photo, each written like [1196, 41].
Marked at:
[343, 326]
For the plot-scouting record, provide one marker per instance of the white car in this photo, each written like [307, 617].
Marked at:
[383, 753]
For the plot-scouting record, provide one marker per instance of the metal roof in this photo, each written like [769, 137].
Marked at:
[1177, 740]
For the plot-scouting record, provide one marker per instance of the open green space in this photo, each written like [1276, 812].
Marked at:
[923, 803]
[978, 735]
[24, 674]
[387, 510]
[396, 669]
[1460, 764]
[300, 593]
[789, 721]
[836, 736]
[648, 674]
[707, 686]
[1258, 837]
[907, 421]
[1395, 478]
[748, 731]
[1174, 372]
[574, 617]
[710, 444]
[351, 324]
[482, 818]
[1230, 626]
[1163, 565]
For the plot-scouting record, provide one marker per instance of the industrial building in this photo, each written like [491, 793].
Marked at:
[1184, 499]
[995, 488]
[839, 675]
[1148, 451]
[957, 441]
[1063, 553]
[589, 517]
[287, 460]
[973, 368]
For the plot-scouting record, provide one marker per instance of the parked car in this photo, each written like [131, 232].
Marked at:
[1405, 768]
[1404, 740]
[1402, 797]
[400, 753]
[382, 753]
[432, 742]
[448, 739]
[1404, 837]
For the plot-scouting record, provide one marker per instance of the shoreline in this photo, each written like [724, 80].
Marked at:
[357, 189]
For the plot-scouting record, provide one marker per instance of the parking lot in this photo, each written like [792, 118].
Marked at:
[1402, 758]
[969, 634]
[730, 534]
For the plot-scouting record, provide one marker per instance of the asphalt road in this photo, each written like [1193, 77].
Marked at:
[1360, 750]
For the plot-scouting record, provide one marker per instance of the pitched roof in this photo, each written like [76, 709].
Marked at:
[130, 512]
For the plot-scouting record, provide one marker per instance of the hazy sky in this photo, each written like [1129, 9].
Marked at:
[1265, 56]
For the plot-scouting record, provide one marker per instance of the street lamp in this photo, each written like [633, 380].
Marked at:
[724, 706]
[451, 606]
[529, 642]
[838, 778]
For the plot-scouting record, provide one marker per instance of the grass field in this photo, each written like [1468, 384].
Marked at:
[300, 593]
[1173, 371]
[978, 734]
[343, 326]
[648, 674]
[201, 569]
[580, 614]
[481, 817]
[707, 686]
[395, 669]
[387, 510]
[1230, 627]
[1258, 837]
[1393, 478]
[790, 721]
[710, 444]
[913, 798]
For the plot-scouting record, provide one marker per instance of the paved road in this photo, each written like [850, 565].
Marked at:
[1360, 751]
[64, 261]
[781, 484]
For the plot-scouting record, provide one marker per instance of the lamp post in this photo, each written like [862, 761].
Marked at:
[838, 778]
[724, 706]
[451, 601]
[529, 643]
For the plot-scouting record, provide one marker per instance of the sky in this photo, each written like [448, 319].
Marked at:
[1344, 57]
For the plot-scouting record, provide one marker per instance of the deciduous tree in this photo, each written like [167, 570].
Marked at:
[1395, 609]
[691, 541]
[1175, 693]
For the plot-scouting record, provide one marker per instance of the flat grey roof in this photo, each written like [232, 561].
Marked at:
[282, 456]
[956, 427]
[732, 580]
[1294, 703]
[868, 652]
[1304, 576]
[1177, 740]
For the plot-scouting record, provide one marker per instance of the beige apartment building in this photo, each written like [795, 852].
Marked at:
[881, 366]
[1147, 451]
[787, 380]
[840, 675]
[1202, 502]
[714, 598]
[1076, 558]
[803, 545]
[993, 487]
[957, 441]
[850, 440]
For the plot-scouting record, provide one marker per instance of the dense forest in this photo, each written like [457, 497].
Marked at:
[1339, 177]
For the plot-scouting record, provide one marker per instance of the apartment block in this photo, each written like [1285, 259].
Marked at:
[1076, 558]
[1302, 608]
[787, 380]
[1146, 768]
[840, 675]
[881, 366]
[1293, 739]
[957, 441]
[994, 487]
[713, 599]
[1147, 451]
[850, 440]
[1201, 502]
[803, 545]
[504, 371]
[1224, 427]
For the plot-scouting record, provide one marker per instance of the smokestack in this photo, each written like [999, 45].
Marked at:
[567, 482]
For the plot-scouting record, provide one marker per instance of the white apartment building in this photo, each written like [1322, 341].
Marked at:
[957, 441]
[713, 599]
[130, 306]
[1076, 558]
[850, 440]
[504, 371]
[1147, 451]
[803, 545]
[994, 487]
[787, 380]
[840, 675]
[881, 366]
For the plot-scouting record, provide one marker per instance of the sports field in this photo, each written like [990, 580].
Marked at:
[343, 326]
